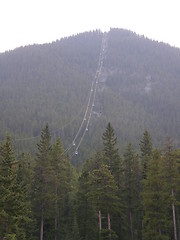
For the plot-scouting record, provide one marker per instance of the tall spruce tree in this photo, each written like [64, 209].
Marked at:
[132, 194]
[172, 180]
[104, 195]
[111, 153]
[156, 222]
[13, 205]
[176, 154]
[146, 152]
[42, 181]
[61, 185]
[114, 162]
[57, 181]
[24, 179]
[86, 211]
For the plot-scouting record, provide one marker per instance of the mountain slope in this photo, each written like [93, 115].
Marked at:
[138, 88]
[146, 74]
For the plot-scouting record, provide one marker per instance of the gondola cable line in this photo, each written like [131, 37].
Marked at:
[94, 83]
[98, 72]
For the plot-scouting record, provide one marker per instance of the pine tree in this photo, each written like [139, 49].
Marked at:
[131, 189]
[61, 185]
[42, 180]
[24, 179]
[103, 193]
[155, 202]
[114, 162]
[172, 180]
[13, 205]
[86, 211]
[110, 149]
[57, 168]
[146, 152]
[145, 158]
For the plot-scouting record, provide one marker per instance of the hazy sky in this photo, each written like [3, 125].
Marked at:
[24, 22]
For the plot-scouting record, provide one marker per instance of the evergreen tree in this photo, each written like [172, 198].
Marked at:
[146, 152]
[131, 189]
[24, 179]
[110, 149]
[86, 211]
[114, 162]
[176, 154]
[155, 202]
[172, 179]
[103, 193]
[57, 181]
[13, 205]
[68, 196]
[42, 181]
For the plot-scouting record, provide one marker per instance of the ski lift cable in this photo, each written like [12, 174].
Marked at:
[85, 130]
[94, 82]
[83, 120]
[69, 123]
[88, 121]
[93, 101]
[87, 125]
[84, 117]
[84, 114]
[96, 76]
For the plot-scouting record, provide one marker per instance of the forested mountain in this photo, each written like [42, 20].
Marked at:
[138, 89]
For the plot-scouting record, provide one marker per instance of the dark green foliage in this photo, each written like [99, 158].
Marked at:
[86, 213]
[132, 199]
[160, 196]
[103, 190]
[42, 189]
[156, 223]
[111, 152]
[24, 179]
[115, 164]
[51, 189]
[14, 203]
[146, 152]
[172, 182]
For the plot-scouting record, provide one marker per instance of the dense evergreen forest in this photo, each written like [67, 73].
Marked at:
[138, 89]
[113, 196]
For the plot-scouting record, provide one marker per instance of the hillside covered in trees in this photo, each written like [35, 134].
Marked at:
[138, 89]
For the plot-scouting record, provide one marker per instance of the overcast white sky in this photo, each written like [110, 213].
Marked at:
[24, 22]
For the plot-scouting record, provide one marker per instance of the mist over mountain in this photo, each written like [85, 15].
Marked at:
[138, 89]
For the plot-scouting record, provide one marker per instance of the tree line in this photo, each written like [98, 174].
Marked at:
[132, 196]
